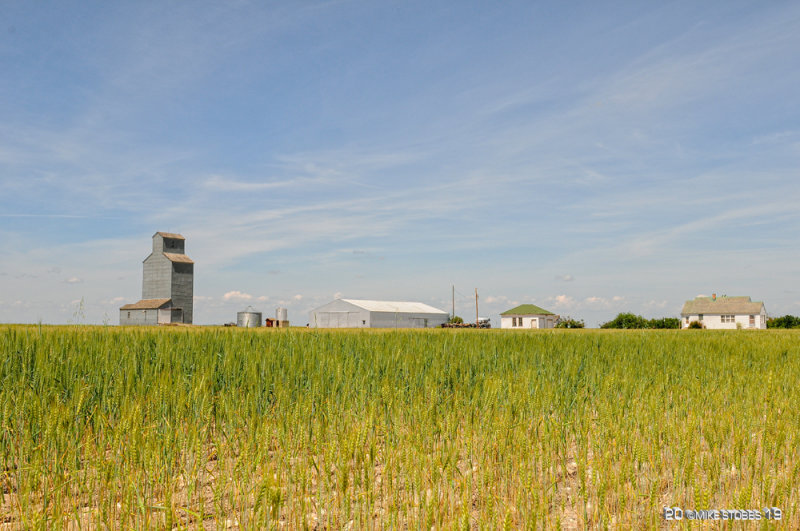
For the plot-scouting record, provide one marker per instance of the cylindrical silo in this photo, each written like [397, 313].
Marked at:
[249, 318]
[282, 316]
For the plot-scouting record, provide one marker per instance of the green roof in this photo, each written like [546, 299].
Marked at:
[527, 309]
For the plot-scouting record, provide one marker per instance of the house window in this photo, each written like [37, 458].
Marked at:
[700, 317]
[727, 318]
[752, 320]
[363, 322]
[129, 315]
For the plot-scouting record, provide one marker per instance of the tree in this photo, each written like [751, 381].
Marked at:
[787, 321]
[629, 320]
[626, 320]
[456, 320]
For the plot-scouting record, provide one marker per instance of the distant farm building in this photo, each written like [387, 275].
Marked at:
[249, 318]
[167, 285]
[719, 313]
[352, 313]
[528, 316]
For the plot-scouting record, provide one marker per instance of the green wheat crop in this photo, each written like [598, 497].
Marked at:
[126, 428]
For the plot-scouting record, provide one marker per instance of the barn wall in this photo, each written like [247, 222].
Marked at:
[157, 277]
[338, 314]
[138, 317]
[406, 320]
[183, 289]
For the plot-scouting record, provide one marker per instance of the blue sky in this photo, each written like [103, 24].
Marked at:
[589, 158]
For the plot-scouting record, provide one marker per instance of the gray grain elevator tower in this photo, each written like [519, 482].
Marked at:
[167, 285]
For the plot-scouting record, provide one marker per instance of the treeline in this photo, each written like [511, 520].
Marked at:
[787, 321]
[630, 320]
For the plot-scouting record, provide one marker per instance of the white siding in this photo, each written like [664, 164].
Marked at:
[528, 322]
[138, 317]
[714, 321]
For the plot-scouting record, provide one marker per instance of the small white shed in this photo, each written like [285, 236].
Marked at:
[354, 313]
[528, 316]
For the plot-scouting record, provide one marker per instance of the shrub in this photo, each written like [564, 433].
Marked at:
[665, 322]
[696, 325]
[568, 322]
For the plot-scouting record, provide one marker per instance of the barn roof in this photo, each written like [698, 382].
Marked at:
[147, 304]
[722, 305]
[527, 309]
[394, 306]
[172, 235]
[182, 258]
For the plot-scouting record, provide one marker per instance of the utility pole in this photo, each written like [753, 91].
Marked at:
[477, 324]
[453, 315]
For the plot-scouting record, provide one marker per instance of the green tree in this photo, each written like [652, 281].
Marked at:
[626, 320]
[786, 321]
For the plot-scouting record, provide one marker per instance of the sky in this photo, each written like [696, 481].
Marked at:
[587, 157]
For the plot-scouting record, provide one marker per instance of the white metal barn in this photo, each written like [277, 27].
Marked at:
[352, 313]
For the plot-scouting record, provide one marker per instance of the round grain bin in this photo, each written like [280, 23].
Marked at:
[249, 318]
[282, 314]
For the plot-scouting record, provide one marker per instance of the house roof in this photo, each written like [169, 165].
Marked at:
[527, 309]
[722, 305]
[172, 235]
[147, 304]
[394, 306]
[182, 258]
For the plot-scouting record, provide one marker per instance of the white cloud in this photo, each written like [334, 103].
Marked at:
[562, 301]
[298, 297]
[337, 295]
[237, 296]
[73, 280]
[262, 298]
[565, 278]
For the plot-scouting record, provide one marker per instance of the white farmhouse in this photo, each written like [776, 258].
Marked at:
[528, 316]
[353, 313]
[724, 312]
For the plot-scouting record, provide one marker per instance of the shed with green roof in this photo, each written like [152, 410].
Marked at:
[528, 316]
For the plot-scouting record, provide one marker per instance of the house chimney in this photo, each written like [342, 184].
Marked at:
[713, 296]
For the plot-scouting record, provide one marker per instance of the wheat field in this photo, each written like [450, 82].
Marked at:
[214, 428]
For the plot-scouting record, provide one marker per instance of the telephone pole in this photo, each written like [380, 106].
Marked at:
[453, 315]
[477, 319]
